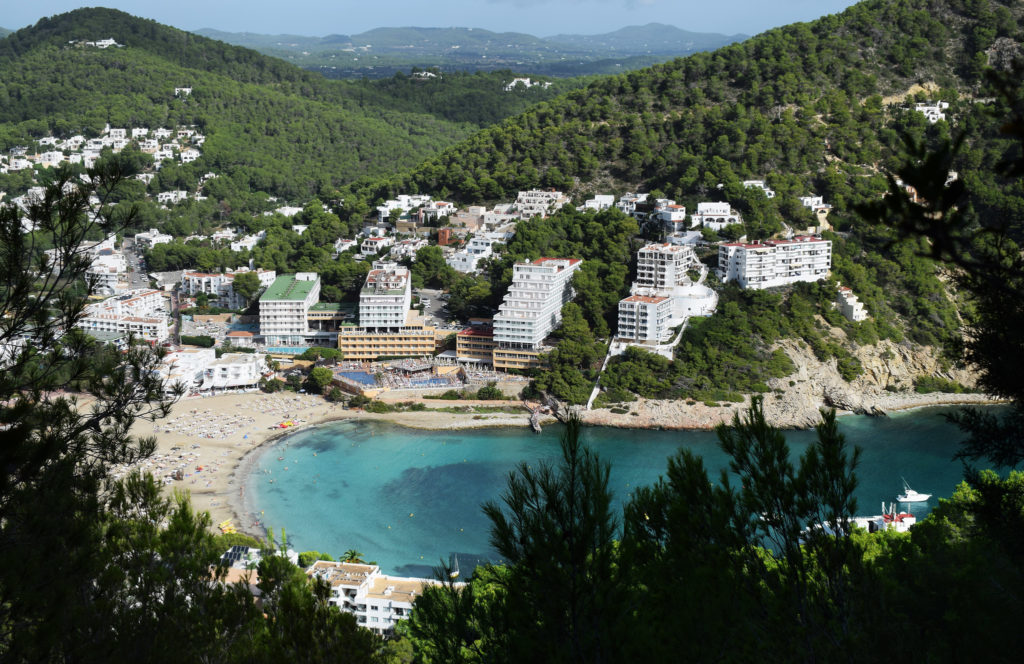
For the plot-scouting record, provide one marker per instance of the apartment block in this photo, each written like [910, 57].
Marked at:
[532, 308]
[646, 318]
[539, 203]
[775, 262]
[664, 266]
[475, 344]
[414, 338]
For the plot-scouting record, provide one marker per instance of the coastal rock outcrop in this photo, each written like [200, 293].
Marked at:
[886, 384]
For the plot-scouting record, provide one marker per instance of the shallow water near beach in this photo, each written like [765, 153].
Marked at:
[407, 498]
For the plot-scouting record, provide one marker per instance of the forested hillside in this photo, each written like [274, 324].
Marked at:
[817, 108]
[272, 127]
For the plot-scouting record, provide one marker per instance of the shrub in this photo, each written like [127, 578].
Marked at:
[202, 341]
[490, 392]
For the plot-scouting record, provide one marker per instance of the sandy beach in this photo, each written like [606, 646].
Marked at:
[206, 442]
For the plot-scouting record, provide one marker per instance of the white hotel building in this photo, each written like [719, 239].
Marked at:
[532, 308]
[284, 309]
[386, 297]
[378, 601]
[775, 262]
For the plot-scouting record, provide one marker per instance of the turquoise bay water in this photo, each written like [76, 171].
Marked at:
[408, 498]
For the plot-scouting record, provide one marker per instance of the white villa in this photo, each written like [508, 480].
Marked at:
[759, 184]
[478, 248]
[933, 111]
[378, 601]
[849, 305]
[715, 216]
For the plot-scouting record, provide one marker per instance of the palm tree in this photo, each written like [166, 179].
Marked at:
[352, 556]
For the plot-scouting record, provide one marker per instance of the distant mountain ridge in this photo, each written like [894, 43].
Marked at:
[475, 48]
[650, 38]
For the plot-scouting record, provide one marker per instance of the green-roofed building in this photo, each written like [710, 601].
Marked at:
[284, 309]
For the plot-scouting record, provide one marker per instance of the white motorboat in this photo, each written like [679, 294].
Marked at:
[911, 496]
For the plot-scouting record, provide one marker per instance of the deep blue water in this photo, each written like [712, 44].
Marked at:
[407, 498]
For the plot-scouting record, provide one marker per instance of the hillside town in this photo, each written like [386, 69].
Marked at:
[282, 316]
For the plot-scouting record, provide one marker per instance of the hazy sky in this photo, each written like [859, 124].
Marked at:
[537, 17]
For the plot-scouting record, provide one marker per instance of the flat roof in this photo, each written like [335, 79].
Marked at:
[477, 331]
[645, 298]
[287, 287]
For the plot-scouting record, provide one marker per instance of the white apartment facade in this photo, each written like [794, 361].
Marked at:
[664, 266]
[385, 298]
[775, 262]
[141, 312]
[645, 319]
[284, 308]
[531, 309]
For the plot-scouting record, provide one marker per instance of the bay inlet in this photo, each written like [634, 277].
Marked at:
[408, 498]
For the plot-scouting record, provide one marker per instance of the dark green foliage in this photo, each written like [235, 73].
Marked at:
[307, 558]
[729, 352]
[202, 341]
[928, 384]
[489, 392]
[318, 380]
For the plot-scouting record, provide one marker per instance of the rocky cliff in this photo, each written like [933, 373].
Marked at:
[887, 384]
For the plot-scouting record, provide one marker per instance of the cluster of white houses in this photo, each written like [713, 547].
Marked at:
[219, 286]
[181, 143]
